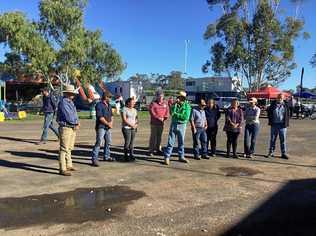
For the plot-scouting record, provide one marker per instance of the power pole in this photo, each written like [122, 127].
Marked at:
[301, 85]
[186, 46]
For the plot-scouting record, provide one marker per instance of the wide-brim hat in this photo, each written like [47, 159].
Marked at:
[253, 100]
[182, 94]
[70, 89]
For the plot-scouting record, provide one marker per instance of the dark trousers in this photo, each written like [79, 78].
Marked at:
[200, 136]
[291, 111]
[232, 140]
[211, 138]
[251, 133]
[129, 136]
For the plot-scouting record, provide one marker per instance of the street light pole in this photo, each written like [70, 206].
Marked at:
[186, 45]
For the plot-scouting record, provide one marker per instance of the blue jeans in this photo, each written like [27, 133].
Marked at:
[201, 136]
[48, 124]
[102, 134]
[176, 130]
[275, 131]
[251, 133]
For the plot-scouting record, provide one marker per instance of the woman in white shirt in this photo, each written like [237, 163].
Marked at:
[252, 127]
[129, 128]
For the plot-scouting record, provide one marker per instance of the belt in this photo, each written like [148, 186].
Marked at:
[68, 126]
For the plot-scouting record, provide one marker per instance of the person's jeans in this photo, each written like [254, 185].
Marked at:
[251, 133]
[155, 137]
[176, 130]
[66, 143]
[48, 124]
[200, 136]
[102, 134]
[129, 136]
[211, 138]
[275, 131]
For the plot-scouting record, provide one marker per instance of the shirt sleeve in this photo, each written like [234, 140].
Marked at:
[258, 113]
[152, 111]
[192, 115]
[98, 111]
[167, 111]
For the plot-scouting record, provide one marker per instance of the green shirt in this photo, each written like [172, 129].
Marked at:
[181, 112]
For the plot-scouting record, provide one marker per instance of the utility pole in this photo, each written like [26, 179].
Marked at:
[301, 85]
[186, 46]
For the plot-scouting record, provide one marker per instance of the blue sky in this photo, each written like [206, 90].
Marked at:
[150, 34]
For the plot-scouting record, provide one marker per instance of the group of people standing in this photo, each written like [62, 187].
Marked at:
[203, 120]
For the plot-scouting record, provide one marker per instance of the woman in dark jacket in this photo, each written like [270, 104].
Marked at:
[212, 114]
[233, 126]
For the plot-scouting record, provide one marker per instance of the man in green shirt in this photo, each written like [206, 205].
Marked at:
[180, 113]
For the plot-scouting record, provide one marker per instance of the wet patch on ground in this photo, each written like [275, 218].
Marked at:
[239, 171]
[78, 206]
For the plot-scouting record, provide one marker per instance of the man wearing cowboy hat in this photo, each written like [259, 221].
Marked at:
[180, 113]
[68, 121]
[252, 114]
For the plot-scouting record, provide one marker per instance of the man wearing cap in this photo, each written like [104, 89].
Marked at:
[279, 117]
[159, 113]
[252, 114]
[199, 126]
[49, 108]
[68, 121]
[104, 124]
[180, 113]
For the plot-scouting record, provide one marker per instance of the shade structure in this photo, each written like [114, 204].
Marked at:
[267, 93]
[305, 94]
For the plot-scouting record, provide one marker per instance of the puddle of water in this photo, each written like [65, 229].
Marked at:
[78, 206]
[239, 171]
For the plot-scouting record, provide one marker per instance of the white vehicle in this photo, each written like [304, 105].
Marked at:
[126, 89]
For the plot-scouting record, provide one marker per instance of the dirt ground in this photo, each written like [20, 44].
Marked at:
[219, 196]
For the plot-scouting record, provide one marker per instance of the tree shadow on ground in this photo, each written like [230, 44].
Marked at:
[29, 167]
[290, 211]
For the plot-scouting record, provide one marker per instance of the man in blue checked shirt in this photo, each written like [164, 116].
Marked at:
[68, 121]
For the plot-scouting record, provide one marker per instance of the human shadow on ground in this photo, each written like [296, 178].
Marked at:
[141, 150]
[41, 156]
[222, 154]
[290, 211]
[32, 141]
[29, 167]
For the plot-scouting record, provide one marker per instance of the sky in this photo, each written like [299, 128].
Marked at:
[150, 34]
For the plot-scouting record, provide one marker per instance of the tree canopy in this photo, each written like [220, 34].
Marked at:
[172, 81]
[56, 44]
[252, 40]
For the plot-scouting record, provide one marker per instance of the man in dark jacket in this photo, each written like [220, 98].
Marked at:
[212, 114]
[279, 116]
[49, 108]
[103, 126]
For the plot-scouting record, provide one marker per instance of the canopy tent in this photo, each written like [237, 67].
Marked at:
[267, 93]
[305, 94]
